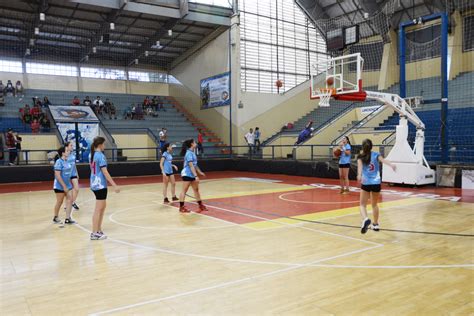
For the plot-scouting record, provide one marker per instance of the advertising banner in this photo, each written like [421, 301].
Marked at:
[86, 133]
[215, 91]
[72, 113]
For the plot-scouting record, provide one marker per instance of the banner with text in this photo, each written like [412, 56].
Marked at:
[215, 91]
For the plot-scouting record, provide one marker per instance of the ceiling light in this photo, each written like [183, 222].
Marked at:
[170, 32]
[146, 53]
[94, 49]
[37, 30]
[42, 16]
[112, 26]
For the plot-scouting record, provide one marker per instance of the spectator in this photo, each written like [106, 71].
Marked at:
[99, 105]
[76, 101]
[36, 112]
[163, 136]
[127, 113]
[11, 146]
[149, 111]
[2, 87]
[161, 107]
[35, 126]
[200, 142]
[107, 104]
[305, 134]
[154, 103]
[2, 99]
[250, 139]
[19, 88]
[139, 112]
[146, 102]
[38, 102]
[257, 138]
[87, 101]
[134, 111]
[9, 88]
[2, 155]
[46, 101]
[26, 114]
[45, 123]
[112, 111]
[18, 140]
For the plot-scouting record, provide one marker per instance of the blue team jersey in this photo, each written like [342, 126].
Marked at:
[371, 171]
[345, 159]
[167, 164]
[257, 134]
[189, 157]
[98, 180]
[72, 160]
[65, 168]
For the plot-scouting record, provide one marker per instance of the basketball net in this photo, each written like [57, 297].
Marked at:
[324, 96]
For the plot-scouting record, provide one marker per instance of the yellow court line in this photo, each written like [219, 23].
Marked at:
[284, 221]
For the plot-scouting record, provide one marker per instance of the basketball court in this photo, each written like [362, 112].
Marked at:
[268, 244]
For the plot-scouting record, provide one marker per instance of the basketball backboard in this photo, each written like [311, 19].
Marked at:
[337, 76]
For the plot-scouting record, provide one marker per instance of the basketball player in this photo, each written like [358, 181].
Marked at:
[62, 186]
[74, 175]
[344, 164]
[99, 178]
[190, 176]
[167, 167]
[369, 176]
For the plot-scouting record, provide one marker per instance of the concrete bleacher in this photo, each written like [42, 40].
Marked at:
[179, 123]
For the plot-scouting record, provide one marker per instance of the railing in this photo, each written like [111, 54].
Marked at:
[458, 154]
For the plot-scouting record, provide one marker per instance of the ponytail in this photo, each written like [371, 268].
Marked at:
[61, 151]
[366, 151]
[186, 145]
[348, 141]
[97, 141]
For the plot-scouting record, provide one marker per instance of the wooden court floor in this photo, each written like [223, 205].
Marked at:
[270, 244]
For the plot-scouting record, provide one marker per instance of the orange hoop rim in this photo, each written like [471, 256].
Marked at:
[333, 91]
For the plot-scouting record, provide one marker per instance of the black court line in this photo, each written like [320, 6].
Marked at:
[333, 224]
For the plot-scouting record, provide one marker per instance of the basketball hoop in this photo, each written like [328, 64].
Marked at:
[324, 95]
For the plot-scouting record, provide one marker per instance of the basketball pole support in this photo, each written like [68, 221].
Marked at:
[444, 72]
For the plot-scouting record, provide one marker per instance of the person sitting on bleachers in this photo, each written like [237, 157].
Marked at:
[154, 103]
[112, 111]
[2, 100]
[2, 87]
[19, 88]
[35, 126]
[36, 112]
[99, 105]
[75, 101]
[161, 106]
[25, 114]
[127, 113]
[9, 88]
[139, 112]
[38, 102]
[45, 123]
[87, 101]
[146, 102]
[46, 101]
[107, 104]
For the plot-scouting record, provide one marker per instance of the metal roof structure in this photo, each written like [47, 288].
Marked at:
[108, 32]
[373, 16]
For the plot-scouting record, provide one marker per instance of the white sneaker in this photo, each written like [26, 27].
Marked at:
[375, 227]
[365, 225]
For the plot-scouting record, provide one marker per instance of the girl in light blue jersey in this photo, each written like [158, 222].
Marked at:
[368, 173]
[99, 178]
[190, 176]
[62, 186]
[166, 164]
[345, 164]
[74, 175]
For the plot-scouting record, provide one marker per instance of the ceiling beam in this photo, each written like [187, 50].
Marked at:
[158, 10]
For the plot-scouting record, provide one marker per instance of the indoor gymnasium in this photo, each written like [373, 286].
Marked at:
[237, 157]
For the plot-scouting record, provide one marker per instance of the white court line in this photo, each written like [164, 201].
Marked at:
[290, 225]
[281, 197]
[157, 227]
[226, 284]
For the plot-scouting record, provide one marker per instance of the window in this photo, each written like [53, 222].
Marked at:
[11, 66]
[277, 42]
[147, 76]
[220, 3]
[51, 69]
[103, 73]
[468, 34]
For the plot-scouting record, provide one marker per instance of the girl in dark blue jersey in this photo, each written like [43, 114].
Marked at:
[62, 186]
[167, 169]
[190, 176]
[368, 173]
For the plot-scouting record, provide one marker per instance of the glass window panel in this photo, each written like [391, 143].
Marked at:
[11, 66]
